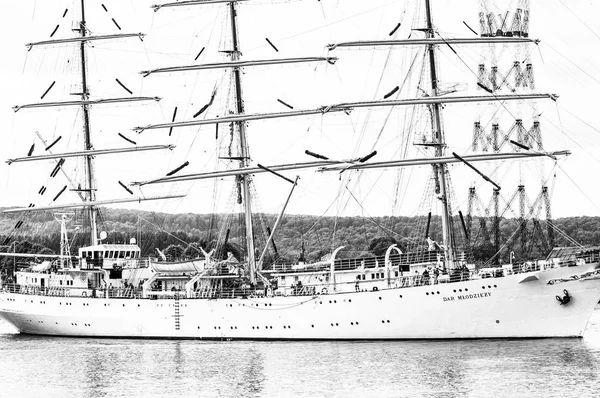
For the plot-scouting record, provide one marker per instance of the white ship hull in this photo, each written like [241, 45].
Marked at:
[516, 306]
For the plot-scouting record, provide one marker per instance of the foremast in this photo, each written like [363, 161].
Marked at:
[440, 146]
[90, 191]
[244, 180]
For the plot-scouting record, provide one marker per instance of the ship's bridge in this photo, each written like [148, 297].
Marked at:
[109, 256]
[110, 252]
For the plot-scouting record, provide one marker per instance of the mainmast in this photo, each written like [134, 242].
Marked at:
[244, 180]
[89, 187]
[440, 146]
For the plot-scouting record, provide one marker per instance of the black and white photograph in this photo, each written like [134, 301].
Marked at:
[299, 198]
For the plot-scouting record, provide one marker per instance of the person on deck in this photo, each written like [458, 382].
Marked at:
[426, 277]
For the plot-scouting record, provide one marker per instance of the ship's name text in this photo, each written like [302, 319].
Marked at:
[467, 296]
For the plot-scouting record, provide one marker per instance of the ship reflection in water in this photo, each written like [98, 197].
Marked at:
[105, 367]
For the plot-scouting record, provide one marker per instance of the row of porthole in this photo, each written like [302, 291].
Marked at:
[254, 327]
[335, 301]
[180, 305]
[289, 327]
[459, 290]
[88, 304]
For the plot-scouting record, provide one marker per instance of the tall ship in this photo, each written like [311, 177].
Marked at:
[422, 286]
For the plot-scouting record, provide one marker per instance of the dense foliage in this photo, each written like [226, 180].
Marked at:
[183, 234]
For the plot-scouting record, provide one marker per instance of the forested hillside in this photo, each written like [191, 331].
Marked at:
[319, 235]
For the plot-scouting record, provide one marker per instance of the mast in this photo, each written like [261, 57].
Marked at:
[440, 146]
[244, 180]
[90, 189]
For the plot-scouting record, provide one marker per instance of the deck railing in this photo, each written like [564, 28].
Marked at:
[396, 282]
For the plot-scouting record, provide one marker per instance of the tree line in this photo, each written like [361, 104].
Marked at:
[299, 236]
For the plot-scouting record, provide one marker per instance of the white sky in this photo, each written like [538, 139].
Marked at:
[566, 63]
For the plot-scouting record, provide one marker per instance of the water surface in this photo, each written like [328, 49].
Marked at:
[64, 367]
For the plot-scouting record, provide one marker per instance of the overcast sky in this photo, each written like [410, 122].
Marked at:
[566, 63]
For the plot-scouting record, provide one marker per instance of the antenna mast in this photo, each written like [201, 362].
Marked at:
[244, 158]
[440, 146]
[89, 188]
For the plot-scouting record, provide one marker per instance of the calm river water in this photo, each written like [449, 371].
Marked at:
[62, 367]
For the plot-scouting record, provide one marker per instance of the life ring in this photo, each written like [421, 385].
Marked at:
[375, 289]
[324, 290]
[84, 294]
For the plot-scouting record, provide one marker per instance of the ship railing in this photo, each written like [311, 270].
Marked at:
[59, 291]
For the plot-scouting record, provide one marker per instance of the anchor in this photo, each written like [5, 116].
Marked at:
[565, 299]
